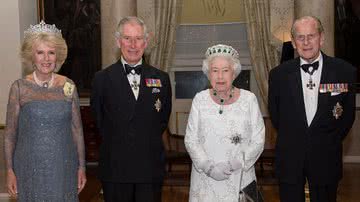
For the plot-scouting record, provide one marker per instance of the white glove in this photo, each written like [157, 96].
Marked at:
[204, 166]
[220, 171]
[235, 165]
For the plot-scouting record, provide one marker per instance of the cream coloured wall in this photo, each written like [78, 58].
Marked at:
[212, 11]
[15, 16]
[10, 68]
[111, 13]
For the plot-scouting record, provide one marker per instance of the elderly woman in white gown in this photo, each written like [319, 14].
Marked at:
[225, 133]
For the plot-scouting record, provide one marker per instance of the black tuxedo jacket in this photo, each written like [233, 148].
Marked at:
[318, 147]
[132, 149]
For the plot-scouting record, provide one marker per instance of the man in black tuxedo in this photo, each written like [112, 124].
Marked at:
[313, 108]
[131, 101]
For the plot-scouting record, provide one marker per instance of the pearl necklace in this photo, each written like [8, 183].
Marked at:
[223, 100]
[44, 84]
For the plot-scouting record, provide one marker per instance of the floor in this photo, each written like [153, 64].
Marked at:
[348, 190]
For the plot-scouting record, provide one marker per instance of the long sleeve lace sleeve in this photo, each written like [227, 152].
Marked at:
[193, 141]
[255, 146]
[77, 130]
[12, 115]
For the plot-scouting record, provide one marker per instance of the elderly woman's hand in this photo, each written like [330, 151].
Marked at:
[220, 171]
[81, 179]
[11, 183]
[235, 165]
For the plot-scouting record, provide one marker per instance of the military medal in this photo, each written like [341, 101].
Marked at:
[337, 111]
[153, 83]
[310, 85]
[334, 88]
[310, 69]
[134, 85]
[157, 105]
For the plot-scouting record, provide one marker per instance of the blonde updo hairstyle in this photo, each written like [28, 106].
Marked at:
[50, 39]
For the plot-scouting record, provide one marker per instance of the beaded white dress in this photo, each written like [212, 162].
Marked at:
[219, 138]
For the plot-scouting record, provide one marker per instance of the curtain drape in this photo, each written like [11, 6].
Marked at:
[166, 15]
[264, 55]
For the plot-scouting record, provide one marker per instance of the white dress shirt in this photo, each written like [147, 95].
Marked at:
[133, 78]
[311, 95]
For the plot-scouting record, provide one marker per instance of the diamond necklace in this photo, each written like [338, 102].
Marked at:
[44, 84]
[223, 100]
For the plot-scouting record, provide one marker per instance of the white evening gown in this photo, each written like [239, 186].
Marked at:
[212, 136]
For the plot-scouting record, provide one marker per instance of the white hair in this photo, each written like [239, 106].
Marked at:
[235, 63]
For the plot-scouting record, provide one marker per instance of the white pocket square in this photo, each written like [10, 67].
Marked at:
[335, 93]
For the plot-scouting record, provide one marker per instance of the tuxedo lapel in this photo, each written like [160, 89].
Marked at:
[323, 97]
[145, 91]
[143, 87]
[297, 90]
[122, 90]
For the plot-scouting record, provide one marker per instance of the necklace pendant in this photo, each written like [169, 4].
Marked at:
[220, 111]
[46, 85]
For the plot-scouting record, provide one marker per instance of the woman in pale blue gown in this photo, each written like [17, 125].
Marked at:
[44, 145]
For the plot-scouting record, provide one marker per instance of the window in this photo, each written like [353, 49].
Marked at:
[191, 44]
[187, 78]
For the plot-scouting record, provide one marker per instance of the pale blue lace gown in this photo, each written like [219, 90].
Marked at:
[44, 141]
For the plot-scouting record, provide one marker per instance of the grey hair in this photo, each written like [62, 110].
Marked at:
[130, 19]
[235, 63]
[319, 26]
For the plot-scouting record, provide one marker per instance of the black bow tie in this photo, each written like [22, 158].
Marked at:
[306, 67]
[129, 69]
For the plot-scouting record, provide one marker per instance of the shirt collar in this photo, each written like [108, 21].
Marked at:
[319, 58]
[124, 62]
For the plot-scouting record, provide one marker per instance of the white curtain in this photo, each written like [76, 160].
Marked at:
[162, 18]
[264, 55]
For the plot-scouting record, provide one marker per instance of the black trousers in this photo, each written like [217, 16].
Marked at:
[125, 192]
[318, 193]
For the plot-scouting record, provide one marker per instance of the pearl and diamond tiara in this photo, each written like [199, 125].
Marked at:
[221, 49]
[42, 27]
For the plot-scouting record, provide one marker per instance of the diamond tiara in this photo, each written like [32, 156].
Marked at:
[42, 27]
[221, 49]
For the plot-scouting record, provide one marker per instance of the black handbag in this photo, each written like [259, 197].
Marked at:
[251, 193]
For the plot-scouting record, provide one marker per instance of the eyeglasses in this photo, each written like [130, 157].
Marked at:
[308, 38]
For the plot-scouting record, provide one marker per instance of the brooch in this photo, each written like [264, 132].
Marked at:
[157, 105]
[236, 139]
[68, 89]
[337, 111]
[155, 90]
